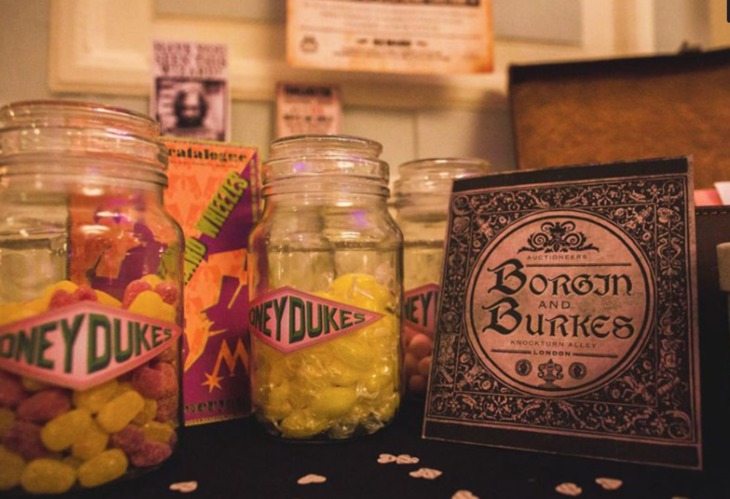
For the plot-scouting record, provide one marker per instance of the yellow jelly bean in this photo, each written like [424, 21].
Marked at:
[362, 291]
[107, 299]
[301, 424]
[152, 280]
[148, 413]
[123, 387]
[32, 385]
[342, 375]
[278, 405]
[48, 476]
[151, 304]
[95, 398]
[120, 411]
[7, 419]
[91, 444]
[334, 402]
[354, 353]
[107, 466]
[63, 431]
[159, 432]
[11, 469]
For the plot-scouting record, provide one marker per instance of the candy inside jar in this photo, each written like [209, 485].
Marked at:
[325, 287]
[422, 205]
[90, 299]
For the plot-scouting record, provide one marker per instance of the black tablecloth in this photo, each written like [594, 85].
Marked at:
[235, 459]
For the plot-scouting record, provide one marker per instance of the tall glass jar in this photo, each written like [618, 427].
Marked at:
[325, 285]
[90, 298]
[421, 201]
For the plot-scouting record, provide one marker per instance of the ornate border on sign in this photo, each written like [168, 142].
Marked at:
[652, 400]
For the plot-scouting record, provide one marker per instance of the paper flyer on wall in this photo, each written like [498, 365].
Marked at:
[190, 96]
[391, 36]
[307, 109]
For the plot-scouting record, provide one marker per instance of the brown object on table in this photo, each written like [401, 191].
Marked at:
[613, 110]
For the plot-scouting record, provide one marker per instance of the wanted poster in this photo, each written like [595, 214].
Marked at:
[307, 110]
[190, 95]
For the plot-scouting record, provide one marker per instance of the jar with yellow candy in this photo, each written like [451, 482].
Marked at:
[325, 286]
[421, 197]
[90, 298]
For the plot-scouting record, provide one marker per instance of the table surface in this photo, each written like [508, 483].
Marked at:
[236, 459]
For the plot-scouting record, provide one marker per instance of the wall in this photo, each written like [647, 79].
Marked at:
[405, 134]
[24, 42]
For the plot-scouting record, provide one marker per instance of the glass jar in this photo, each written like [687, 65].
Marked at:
[325, 286]
[422, 209]
[90, 298]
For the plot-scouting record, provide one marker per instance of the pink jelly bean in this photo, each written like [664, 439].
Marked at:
[417, 384]
[11, 391]
[133, 289]
[421, 346]
[61, 298]
[424, 366]
[85, 293]
[167, 291]
[24, 438]
[155, 381]
[410, 333]
[44, 405]
[151, 454]
[167, 409]
[169, 355]
[129, 440]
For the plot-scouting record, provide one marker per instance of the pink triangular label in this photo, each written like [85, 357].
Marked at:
[419, 308]
[82, 345]
[290, 320]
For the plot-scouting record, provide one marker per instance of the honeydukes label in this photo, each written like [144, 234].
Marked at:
[290, 320]
[82, 345]
[567, 314]
[419, 308]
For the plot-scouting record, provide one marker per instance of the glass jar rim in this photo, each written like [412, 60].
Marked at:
[342, 168]
[435, 175]
[72, 129]
[324, 145]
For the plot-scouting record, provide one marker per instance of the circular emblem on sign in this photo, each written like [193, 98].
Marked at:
[523, 367]
[560, 289]
[577, 370]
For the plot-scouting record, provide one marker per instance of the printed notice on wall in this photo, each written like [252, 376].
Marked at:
[190, 95]
[307, 109]
[391, 36]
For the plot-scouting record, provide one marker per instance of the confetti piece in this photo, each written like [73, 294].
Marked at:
[307, 479]
[184, 487]
[427, 473]
[386, 458]
[609, 483]
[569, 489]
[464, 494]
[406, 459]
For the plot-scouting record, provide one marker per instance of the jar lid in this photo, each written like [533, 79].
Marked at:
[331, 157]
[79, 130]
[436, 175]
[327, 145]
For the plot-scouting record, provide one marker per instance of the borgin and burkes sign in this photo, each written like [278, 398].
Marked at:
[567, 319]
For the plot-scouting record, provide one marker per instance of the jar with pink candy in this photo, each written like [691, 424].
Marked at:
[421, 201]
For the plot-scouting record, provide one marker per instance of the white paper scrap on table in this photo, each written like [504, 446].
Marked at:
[427, 473]
[190, 95]
[311, 478]
[569, 489]
[184, 487]
[609, 483]
[406, 459]
[464, 494]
